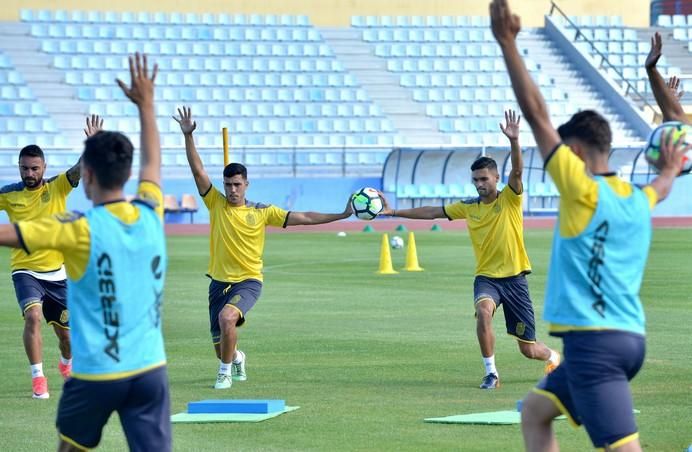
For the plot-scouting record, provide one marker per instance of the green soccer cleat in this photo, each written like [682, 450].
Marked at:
[238, 369]
[223, 381]
[490, 381]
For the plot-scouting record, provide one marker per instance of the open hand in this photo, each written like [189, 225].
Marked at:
[674, 86]
[94, 125]
[187, 125]
[142, 90]
[511, 130]
[386, 210]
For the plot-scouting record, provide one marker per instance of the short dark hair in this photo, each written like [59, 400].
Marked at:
[588, 127]
[484, 162]
[31, 150]
[235, 168]
[109, 155]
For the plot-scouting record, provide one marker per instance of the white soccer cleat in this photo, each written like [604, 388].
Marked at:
[223, 381]
[238, 369]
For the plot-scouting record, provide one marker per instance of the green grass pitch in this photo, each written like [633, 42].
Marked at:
[367, 357]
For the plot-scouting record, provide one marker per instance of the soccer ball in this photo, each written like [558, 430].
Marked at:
[366, 203]
[396, 242]
[653, 144]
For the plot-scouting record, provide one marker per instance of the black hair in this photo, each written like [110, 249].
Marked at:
[31, 150]
[484, 162]
[590, 128]
[233, 169]
[109, 155]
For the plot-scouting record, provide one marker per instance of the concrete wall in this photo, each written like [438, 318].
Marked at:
[338, 12]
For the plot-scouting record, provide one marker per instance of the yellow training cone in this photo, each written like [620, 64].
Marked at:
[386, 258]
[412, 255]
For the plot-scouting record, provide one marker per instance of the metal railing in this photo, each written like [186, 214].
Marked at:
[629, 88]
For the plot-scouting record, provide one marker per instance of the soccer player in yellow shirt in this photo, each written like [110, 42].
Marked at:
[599, 253]
[495, 223]
[39, 278]
[236, 248]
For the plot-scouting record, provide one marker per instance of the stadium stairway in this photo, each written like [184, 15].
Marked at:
[45, 81]
[383, 87]
[582, 93]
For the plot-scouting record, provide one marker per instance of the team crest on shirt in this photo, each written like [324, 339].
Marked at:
[68, 217]
[497, 208]
[45, 196]
[250, 219]
[521, 329]
[235, 300]
[64, 316]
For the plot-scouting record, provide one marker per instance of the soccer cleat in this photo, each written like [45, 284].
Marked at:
[40, 388]
[223, 381]
[65, 370]
[490, 381]
[238, 369]
[550, 365]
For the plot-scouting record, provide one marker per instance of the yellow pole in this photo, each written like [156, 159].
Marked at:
[224, 133]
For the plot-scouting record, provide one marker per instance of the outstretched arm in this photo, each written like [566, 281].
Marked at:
[505, 26]
[668, 164]
[511, 131]
[141, 93]
[312, 218]
[666, 100]
[9, 236]
[94, 124]
[187, 126]
[417, 213]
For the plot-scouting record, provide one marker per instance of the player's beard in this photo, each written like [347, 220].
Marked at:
[31, 182]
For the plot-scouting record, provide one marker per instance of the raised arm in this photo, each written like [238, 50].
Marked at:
[668, 164]
[94, 124]
[141, 93]
[666, 100]
[187, 126]
[506, 26]
[511, 131]
[312, 218]
[416, 213]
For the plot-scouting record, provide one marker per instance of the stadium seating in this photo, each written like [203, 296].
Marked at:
[270, 78]
[444, 61]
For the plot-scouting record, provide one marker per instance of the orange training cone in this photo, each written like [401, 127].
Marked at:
[412, 255]
[386, 258]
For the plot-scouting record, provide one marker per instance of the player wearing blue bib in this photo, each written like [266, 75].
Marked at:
[115, 259]
[600, 248]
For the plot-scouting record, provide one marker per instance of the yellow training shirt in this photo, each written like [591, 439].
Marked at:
[237, 236]
[21, 204]
[69, 232]
[497, 233]
[579, 191]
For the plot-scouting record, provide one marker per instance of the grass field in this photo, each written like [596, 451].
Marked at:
[367, 357]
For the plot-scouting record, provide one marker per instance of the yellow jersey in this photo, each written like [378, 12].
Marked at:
[579, 191]
[497, 233]
[237, 236]
[69, 232]
[22, 204]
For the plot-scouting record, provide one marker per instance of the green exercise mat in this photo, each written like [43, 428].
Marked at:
[202, 418]
[508, 417]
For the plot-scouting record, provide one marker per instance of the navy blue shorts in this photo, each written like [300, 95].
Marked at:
[241, 295]
[51, 295]
[142, 402]
[513, 294]
[591, 386]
